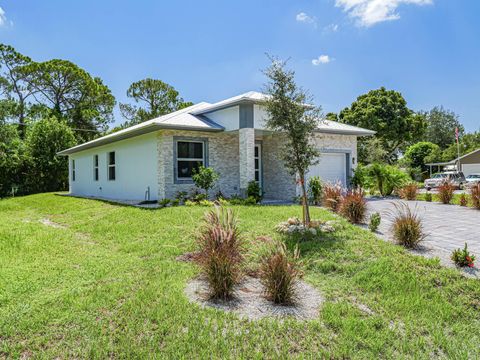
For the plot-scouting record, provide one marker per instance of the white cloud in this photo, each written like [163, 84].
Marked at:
[331, 28]
[303, 17]
[322, 59]
[371, 12]
[3, 17]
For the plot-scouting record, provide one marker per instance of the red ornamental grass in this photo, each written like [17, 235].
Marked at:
[354, 206]
[445, 192]
[221, 251]
[332, 196]
[409, 192]
[475, 196]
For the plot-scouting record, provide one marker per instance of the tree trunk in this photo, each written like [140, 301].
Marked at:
[306, 210]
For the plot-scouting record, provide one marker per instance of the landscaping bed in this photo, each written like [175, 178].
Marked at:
[105, 282]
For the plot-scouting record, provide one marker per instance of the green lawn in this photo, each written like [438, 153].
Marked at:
[455, 199]
[108, 285]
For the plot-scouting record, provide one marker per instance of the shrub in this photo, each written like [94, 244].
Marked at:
[175, 202]
[428, 196]
[254, 191]
[164, 202]
[181, 196]
[461, 257]
[205, 178]
[409, 192]
[407, 227]
[220, 252]
[386, 178]
[353, 206]
[279, 275]
[475, 196]
[463, 200]
[445, 192]
[332, 196]
[315, 190]
[375, 220]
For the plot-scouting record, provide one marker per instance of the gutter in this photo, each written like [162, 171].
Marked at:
[136, 132]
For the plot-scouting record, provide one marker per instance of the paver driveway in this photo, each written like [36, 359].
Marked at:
[448, 226]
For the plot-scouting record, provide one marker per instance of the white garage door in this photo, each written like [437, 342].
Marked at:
[470, 169]
[331, 168]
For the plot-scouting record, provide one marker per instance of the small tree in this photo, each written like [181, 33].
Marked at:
[205, 178]
[48, 171]
[289, 113]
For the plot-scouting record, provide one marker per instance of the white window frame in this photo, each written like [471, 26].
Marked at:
[96, 169]
[114, 165]
[202, 160]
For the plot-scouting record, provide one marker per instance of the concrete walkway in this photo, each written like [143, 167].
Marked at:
[448, 227]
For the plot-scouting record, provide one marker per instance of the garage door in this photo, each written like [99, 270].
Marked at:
[331, 168]
[470, 169]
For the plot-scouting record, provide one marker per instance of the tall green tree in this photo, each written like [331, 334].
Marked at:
[13, 86]
[47, 170]
[72, 94]
[154, 98]
[468, 143]
[441, 124]
[421, 153]
[12, 157]
[289, 113]
[386, 112]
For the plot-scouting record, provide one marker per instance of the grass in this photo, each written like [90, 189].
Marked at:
[455, 199]
[107, 284]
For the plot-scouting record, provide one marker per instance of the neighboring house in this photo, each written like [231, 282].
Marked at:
[155, 159]
[469, 164]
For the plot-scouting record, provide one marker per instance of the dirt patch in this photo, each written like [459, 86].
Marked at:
[188, 257]
[249, 301]
[48, 222]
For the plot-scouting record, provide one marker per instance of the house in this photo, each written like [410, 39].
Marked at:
[155, 159]
[468, 164]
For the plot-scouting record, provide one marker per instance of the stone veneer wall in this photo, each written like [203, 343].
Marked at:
[339, 142]
[222, 153]
[278, 184]
[247, 158]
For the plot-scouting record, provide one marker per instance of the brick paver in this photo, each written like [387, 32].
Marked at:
[448, 226]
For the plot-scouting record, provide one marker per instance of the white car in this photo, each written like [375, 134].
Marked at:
[472, 179]
[454, 177]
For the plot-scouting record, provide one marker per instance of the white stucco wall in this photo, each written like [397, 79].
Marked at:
[228, 118]
[259, 116]
[136, 168]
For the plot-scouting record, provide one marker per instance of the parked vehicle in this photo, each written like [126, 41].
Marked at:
[472, 179]
[455, 177]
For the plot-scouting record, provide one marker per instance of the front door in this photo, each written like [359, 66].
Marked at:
[258, 164]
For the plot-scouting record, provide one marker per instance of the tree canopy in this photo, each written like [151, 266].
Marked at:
[155, 98]
[289, 114]
[72, 94]
[386, 112]
[441, 124]
[422, 153]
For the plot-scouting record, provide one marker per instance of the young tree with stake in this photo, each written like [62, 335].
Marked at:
[290, 113]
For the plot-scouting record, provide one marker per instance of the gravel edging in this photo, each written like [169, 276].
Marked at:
[250, 303]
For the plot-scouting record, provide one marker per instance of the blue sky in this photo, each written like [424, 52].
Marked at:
[429, 50]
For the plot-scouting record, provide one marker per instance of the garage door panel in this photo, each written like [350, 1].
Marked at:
[471, 169]
[330, 168]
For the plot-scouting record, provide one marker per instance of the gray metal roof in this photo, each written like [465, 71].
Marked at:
[192, 118]
[180, 120]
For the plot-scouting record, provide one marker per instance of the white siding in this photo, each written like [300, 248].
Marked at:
[259, 117]
[136, 168]
[470, 169]
[229, 118]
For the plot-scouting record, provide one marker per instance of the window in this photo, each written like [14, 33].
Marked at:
[95, 167]
[73, 170]
[111, 165]
[190, 156]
